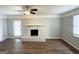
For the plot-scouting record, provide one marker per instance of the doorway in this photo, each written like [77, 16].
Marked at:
[17, 32]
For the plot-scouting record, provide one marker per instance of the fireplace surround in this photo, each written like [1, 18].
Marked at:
[33, 32]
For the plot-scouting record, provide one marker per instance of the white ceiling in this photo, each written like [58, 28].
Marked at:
[42, 9]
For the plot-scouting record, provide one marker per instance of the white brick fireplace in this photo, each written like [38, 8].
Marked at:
[33, 36]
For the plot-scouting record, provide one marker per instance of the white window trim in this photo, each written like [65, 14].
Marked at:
[75, 35]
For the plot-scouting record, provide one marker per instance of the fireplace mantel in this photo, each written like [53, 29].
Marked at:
[33, 25]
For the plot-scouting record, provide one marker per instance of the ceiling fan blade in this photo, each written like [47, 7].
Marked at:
[20, 10]
[32, 12]
[34, 9]
[24, 8]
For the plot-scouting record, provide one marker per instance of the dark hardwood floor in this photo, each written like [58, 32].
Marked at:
[16, 46]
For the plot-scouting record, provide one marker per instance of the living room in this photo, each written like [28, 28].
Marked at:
[39, 29]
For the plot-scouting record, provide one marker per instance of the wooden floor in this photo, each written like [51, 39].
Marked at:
[16, 46]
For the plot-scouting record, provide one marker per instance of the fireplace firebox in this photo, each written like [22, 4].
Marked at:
[34, 32]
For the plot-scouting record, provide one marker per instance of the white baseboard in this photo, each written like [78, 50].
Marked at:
[54, 38]
[14, 37]
[71, 44]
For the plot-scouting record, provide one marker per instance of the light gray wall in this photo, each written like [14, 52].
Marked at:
[67, 28]
[51, 27]
[3, 28]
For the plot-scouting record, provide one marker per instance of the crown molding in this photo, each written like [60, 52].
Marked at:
[71, 13]
[35, 16]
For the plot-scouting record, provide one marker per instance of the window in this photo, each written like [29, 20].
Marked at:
[17, 28]
[76, 25]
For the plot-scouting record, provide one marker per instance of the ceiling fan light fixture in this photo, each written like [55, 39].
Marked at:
[27, 12]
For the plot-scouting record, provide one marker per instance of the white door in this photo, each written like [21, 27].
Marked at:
[17, 28]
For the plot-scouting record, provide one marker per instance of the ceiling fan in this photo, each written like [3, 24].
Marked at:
[28, 10]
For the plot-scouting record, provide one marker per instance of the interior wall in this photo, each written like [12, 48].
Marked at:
[67, 28]
[51, 27]
[3, 28]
